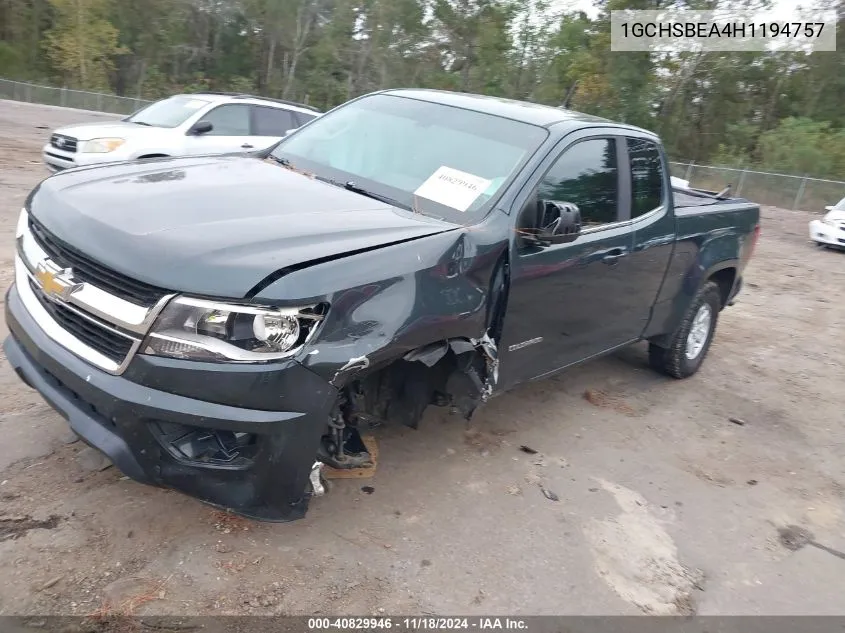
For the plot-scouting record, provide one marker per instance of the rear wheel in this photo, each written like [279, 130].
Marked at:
[691, 341]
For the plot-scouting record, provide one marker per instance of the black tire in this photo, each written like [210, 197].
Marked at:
[673, 360]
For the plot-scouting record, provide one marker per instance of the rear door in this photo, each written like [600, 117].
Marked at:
[654, 225]
[303, 118]
[230, 132]
[270, 124]
[568, 302]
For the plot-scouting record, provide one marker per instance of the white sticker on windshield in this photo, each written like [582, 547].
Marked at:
[194, 104]
[453, 188]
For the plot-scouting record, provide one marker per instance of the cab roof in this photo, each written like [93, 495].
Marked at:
[216, 97]
[524, 111]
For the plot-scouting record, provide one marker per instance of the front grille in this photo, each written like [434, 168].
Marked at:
[87, 270]
[98, 337]
[66, 143]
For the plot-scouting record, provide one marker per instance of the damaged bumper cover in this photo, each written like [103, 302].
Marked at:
[251, 450]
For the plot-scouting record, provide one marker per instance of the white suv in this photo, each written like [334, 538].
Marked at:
[182, 125]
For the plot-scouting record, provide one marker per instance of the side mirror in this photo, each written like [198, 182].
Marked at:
[201, 127]
[560, 222]
[290, 131]
[829, 207]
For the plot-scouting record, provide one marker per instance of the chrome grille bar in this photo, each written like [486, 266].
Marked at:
[117, 311]
[52, 283]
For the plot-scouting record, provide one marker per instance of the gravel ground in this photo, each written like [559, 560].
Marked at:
[674, 496]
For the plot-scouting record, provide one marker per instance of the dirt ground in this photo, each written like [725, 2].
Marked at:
[673, 496]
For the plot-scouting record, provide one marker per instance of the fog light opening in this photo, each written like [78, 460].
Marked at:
[208, 447]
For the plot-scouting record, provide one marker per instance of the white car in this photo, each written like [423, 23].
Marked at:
[830, 230]
[182, 125]
[679, 183]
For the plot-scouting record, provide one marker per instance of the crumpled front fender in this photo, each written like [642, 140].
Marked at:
[387, 302]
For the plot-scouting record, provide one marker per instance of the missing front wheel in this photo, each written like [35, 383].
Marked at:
[342, 447]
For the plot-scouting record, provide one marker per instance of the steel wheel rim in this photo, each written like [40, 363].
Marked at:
[699, 331]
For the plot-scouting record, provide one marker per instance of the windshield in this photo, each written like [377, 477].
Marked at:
[840, 206]
[169, 112]
[439, 160]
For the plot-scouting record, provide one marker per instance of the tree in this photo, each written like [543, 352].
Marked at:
[82, 44]
[804, 146]
[733, 108]
[472, 33]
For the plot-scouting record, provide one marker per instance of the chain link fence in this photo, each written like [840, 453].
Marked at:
[777, 190]
[79, 99]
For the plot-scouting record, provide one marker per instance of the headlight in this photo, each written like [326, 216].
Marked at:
[206, 330]
[101, 145]
[828, 222]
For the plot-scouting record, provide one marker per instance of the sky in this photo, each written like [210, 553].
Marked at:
[575, 5]
[590, 10]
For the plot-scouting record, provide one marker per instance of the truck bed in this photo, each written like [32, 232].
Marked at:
[688, 197]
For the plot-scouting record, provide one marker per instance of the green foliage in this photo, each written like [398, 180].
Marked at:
[804, 146]
[10, 60]
[82, 44]
[776, 111]
[727, 156]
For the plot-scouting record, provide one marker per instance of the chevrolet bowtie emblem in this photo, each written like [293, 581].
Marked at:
[55, 283]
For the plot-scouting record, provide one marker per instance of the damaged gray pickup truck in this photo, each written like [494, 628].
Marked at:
[225, 325]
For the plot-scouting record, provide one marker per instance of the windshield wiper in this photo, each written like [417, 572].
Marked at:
[284, 162]
[144, 123]
[351, 186]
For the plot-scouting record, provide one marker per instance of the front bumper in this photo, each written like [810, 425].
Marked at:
[118, 415]
[825, 234]
[58, 160]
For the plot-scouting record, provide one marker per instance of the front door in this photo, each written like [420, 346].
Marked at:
[230, 131]
[568, 302]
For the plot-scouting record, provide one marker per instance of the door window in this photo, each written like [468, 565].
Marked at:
[303, 118]
[646, 176]
[272, 121]
[228, 120]
[587, 175]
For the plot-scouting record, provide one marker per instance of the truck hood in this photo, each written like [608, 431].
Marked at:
[214, 226]
[119, 129]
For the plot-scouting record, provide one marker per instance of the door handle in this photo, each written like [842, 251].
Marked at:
[247, 146]
[613, 256]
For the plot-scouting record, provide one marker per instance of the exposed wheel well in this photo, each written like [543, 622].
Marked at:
[459, 372]
[725, 279]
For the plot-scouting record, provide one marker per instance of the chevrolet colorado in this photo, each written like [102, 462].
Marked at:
[228, 325]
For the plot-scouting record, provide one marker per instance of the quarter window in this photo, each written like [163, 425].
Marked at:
[646, 176]
[587, 175]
